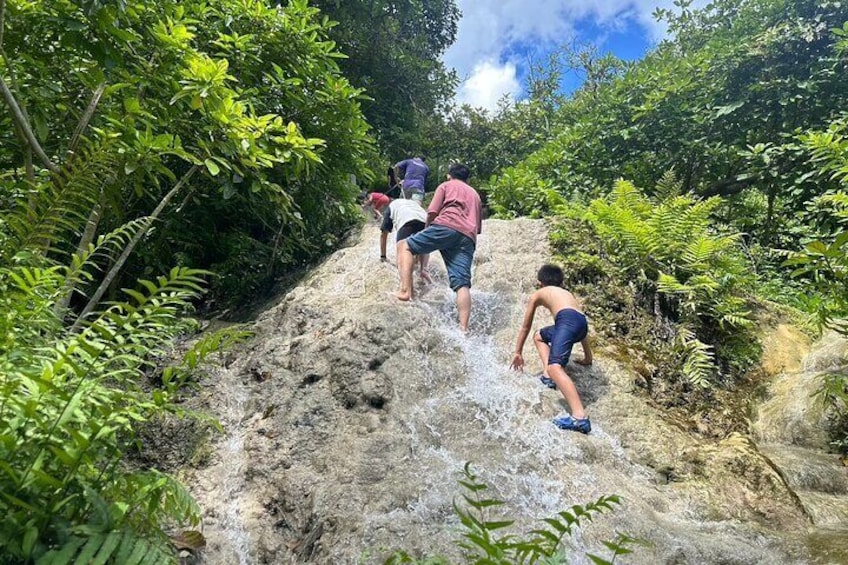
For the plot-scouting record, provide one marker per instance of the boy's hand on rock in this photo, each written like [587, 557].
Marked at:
[517, 362]
[586, 361]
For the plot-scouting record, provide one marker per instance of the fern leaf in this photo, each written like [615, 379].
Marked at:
[668, 186]
[63, 555]
[84, 262]
[107, 548]
[698, 364]
[61, 205]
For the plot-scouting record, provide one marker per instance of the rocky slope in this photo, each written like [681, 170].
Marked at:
[349, 417]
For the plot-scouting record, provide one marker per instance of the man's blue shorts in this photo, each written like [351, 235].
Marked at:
[457, 251]
[570, 327]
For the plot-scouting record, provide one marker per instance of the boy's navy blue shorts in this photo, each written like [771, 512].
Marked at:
[570, 327]
[457, 250]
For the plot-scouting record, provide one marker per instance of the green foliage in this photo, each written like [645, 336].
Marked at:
[486, 541]
[393, 50]
[834, 394]
[698, 364]
[521, 193]
[71, 401]
[827, 268]
[823, 264]
[69, 406]
[248, 93]
[720, 102]
[688, 271]
[174, 376]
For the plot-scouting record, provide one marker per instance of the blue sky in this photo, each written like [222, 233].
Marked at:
[497, 39]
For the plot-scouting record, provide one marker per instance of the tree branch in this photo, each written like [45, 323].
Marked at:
[113, 272]
[2, 20]
[86, 117]
[22, 123]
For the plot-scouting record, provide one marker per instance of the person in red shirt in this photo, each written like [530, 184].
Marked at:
[376, 201]
[454, 218]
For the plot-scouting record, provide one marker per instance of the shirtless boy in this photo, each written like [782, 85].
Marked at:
[554, 343]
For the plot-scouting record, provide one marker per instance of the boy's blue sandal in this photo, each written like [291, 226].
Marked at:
[573, 424]
[547, 381]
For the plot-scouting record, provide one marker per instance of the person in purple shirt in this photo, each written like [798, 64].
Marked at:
[414, 173]
[454, 218]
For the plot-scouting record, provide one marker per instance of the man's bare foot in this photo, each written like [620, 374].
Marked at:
[403, 296]
[584, 362]
[425, 276]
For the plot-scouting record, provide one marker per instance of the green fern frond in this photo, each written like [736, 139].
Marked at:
[668, 186]
[698, 364]
[52, 209]
[668, 284]
[698, 253]
[159, 496]
[208, 344]
[123, 547]
[159, 299]
[836, 203]
[625, 195]
[85, 261]
[123, 334]
[213, 342]
[29, 297]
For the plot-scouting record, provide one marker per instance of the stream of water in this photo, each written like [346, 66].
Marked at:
[515, 449]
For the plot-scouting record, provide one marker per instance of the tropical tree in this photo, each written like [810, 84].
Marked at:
[231, 124]
[394, 50]
[720, 103]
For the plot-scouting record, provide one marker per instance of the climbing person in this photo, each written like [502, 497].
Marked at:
[454, 218]
[413, 173]
[406, 217]
[554, 343]
[375, 202]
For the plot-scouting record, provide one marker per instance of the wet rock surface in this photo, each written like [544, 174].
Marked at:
[790, 430]
[349, 417]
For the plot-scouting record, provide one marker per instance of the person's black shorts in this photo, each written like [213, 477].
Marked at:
[408, 229]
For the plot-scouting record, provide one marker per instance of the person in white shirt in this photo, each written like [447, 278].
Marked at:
[407, 217]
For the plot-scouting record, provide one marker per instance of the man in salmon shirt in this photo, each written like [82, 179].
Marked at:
[454, 219]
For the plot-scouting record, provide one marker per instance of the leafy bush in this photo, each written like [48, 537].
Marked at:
[70, 402]
[688, 271]
[484, 543]
[823, 263]
[71, 398]
[228, 123]
[720, 102]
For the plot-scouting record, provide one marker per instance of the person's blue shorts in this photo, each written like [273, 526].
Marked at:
[570, 327]
[457, 250]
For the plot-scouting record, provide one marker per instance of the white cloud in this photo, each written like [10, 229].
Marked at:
[489, 81]
[490, 28]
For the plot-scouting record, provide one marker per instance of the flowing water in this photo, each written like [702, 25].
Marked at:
[350, 418]
[226, 475]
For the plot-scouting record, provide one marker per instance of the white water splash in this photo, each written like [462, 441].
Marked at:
[233, 485]
[492, 401]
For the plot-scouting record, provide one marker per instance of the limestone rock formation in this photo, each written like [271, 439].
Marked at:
[349, 417]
